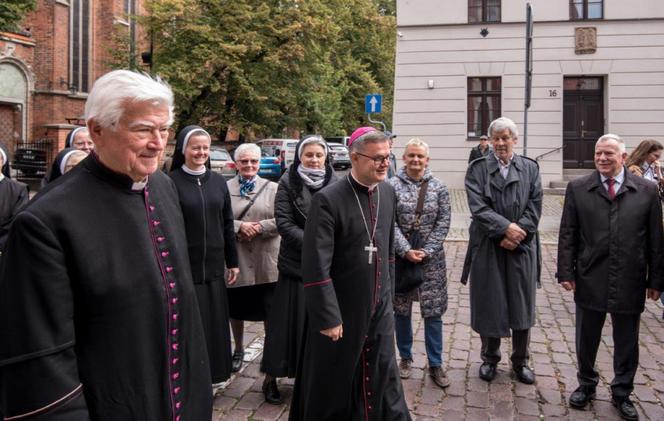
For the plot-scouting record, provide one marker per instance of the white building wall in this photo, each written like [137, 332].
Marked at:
[630, 57]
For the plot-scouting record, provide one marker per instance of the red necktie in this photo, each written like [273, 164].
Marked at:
[612, 190]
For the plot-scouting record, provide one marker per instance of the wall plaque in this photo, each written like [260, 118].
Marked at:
[585, 40]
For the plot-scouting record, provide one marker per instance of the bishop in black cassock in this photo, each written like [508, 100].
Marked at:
[348, 280]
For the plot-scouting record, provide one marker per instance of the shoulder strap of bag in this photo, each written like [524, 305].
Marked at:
[251, 201]
[420, 204]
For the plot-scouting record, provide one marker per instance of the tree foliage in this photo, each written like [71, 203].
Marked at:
[269, 67]
[12, 12]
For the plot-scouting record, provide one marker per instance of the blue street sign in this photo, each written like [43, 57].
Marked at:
[373, 103]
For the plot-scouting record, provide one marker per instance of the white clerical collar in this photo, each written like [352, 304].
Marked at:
[139, 185]
[189, 171]
[2, 176]
[618, 178]
[371, 187]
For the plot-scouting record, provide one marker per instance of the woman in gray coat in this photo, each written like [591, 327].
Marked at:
[434, 225]
[252, 200]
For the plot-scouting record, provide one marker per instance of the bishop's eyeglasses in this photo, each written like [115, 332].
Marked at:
[377, 160]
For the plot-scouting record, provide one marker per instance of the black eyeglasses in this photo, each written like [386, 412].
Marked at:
[376, 159]
[247, 161]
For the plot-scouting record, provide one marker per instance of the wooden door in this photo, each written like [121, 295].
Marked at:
[583, 120]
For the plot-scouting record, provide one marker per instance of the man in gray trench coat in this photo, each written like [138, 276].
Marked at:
[503, 259]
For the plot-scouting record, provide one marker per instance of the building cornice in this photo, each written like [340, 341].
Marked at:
[572, 22]
[17, 38]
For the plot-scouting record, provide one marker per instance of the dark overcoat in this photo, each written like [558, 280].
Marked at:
[98, 315]
[612, 249]
[502, 282]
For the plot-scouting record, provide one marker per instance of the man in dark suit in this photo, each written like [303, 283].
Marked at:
[609, 254]
[480, 150]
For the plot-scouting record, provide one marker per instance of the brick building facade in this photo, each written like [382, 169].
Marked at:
[47, 70]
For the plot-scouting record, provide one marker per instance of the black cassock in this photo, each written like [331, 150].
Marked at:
[208, 219]
[13, 195]
[355, 378]
[98, 315]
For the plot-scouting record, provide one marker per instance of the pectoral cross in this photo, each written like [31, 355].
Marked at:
[371, 249]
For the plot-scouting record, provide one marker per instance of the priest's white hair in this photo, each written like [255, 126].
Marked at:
[111, 92]
[502, 123]
[615, 137]
[247, 148]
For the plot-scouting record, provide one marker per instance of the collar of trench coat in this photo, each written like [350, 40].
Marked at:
[497, 180]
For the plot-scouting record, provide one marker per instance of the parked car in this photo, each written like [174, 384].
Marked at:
[339, 156]
[270, 166]
[31, 159]
[222, 163]
[284, 149]
[337, 139]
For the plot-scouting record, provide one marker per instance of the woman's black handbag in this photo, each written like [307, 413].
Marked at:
[409, 275]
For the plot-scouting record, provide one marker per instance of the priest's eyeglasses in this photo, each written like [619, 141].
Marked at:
[376, 159]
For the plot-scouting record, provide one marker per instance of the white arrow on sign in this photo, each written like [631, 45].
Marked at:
[373, 101]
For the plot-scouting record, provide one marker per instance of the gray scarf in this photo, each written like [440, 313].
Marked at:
[312, 177]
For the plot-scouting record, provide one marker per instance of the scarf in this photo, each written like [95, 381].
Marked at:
[246, 185]
[312, 177]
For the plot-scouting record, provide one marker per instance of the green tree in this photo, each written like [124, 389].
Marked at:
[268, 66]
[12, 12]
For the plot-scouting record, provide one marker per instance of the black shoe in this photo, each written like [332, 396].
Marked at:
[581, 396]
[625, 407]
[236, 364]
[271, 392]
[487, 371]
[524, 374]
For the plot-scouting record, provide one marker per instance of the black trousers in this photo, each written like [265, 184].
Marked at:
[589, 325]
[520, 342]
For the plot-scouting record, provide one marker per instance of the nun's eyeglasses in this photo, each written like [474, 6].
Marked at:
[248, 161]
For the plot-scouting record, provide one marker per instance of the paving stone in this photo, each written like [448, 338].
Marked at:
[268, 412]
[526, 406]
[477, 399]
[653, 411]
[502, 410]
[223, 403]
[454, 402]
[238, 387]
[477, 414]
[251, 401]
[432, 411]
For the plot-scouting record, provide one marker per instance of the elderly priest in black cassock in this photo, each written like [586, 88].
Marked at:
[98, 314]
[348, 370]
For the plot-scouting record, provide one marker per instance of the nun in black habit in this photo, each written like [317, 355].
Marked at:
[13, 195]
[208, 220]
[64, 161]
[309, 173]
[79, 138]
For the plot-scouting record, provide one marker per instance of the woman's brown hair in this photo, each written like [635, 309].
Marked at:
[642, 151]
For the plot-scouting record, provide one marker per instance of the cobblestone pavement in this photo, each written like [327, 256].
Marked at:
[469, 398]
